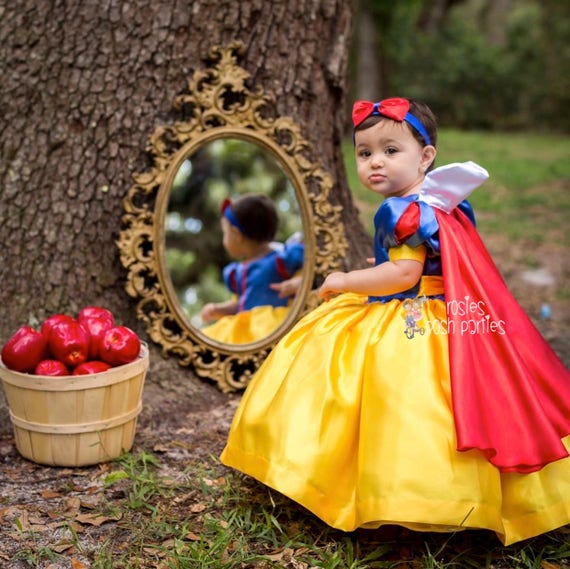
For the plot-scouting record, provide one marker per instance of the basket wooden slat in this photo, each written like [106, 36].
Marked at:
[77, 420]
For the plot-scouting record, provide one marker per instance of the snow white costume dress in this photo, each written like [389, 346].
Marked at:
[260, 309]
[440, 408]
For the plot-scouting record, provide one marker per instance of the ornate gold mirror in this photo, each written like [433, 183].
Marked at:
[228, 142]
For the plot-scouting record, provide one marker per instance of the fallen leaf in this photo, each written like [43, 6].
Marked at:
[95, 520]
[92, 503]
[153, 550]
[48, 494]
[279, 554]
[75, 564]
[71, 524]
[64, 473]
[10, 511]
[177, 500]
[36, 520]
[197, 508]
[61, 547]
[71, 507]
[548, 565]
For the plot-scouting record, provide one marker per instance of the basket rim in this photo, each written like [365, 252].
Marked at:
[75, 382]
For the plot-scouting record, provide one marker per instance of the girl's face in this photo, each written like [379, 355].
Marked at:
[389, 160]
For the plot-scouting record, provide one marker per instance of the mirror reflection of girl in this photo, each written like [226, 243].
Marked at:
[448, 413]
[263, 279]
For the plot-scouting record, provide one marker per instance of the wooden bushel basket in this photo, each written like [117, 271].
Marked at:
[75, 420]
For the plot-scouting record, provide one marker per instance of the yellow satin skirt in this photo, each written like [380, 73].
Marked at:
[247, 326]
[351, 417]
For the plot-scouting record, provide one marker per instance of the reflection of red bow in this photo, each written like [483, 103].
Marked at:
[395, 108]
[225, 204]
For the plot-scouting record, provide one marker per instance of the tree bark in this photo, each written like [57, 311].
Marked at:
[84, 85]
[369, 84]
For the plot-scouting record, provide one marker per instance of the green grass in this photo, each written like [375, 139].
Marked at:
[526, 196]
[209, 517]
[215, 518]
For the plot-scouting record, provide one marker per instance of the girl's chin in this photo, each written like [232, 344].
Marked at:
[379, 190]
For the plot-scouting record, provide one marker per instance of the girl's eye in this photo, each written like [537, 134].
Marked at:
[364, 153]
[391, 150]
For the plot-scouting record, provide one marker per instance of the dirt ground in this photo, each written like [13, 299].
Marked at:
[196, 415]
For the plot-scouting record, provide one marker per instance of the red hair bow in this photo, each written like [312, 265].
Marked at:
[225, 204]
[395, 108]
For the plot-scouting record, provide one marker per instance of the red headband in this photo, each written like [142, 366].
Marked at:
[396, 108]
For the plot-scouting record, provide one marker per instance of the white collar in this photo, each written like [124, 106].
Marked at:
[447, 186]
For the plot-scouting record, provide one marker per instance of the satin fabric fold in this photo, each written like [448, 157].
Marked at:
[247, 326]
[353, 419]
[511, 393]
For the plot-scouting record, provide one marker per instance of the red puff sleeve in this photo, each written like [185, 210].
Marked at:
[408, 224]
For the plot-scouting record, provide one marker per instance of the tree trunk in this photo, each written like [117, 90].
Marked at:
[369, 84]
[84, 85]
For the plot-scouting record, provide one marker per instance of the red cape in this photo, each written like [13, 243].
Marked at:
[510, 392]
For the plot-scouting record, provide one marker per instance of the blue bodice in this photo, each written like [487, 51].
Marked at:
[396, 224]
[250, 280]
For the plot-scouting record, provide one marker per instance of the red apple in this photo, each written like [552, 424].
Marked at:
[95, 312]
[69, 343]
[93, 366]
[96, 326]
[120, 345]
[53, 368]
[51, 321]
[24, 349]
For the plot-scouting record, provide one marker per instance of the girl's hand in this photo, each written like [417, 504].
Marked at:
[333, 285]
[287, 288]
[209, 312]
[370, 260]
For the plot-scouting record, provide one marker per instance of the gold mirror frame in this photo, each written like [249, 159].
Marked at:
[219, 104]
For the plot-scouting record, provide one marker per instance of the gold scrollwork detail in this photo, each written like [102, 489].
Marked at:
[219, 103]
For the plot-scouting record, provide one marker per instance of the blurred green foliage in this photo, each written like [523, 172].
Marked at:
[475, 65]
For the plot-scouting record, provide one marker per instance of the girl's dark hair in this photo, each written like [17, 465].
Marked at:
[422, 112]
[425, 115]
[257, 215]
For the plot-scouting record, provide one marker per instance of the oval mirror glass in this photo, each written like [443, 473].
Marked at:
[196, 260]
